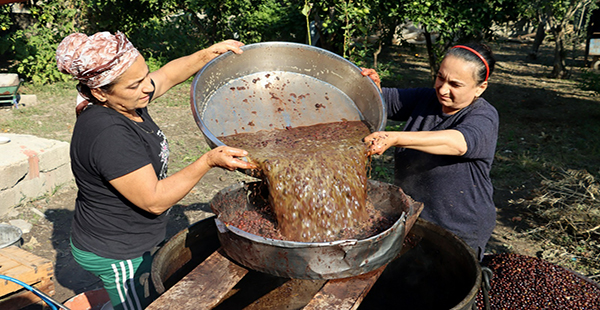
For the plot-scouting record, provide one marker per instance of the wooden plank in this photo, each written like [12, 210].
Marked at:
[36, 263]
[6, 265]
[293, 294]
[24, 257]
[23, 297]
[203, 287]
[22, 273]
[23, 266]
[344, 294]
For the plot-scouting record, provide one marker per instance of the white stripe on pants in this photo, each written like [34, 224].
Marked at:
[126, 287]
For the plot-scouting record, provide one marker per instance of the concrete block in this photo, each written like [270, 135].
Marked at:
[27, 100]
[31, 167]
[9, 79]
[11, 172]
[8, 199]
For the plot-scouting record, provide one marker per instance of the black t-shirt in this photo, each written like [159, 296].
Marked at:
[105, 146]
[456, 191]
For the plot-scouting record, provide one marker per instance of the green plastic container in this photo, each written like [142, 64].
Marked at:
[9, 85]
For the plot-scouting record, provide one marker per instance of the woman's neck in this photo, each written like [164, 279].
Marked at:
[130, 114]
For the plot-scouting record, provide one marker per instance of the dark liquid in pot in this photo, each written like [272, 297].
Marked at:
[316, 175]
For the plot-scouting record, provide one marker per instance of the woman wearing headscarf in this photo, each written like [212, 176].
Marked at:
[444, 154]
[119, 158]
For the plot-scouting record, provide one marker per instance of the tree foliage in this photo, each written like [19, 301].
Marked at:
[353, 28]
[561, 14]
[124, 15]
[162, 30]
[453, 22]
[166, 29]
[566, 21]
[34, 47]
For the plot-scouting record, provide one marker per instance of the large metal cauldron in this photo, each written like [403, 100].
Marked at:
[278, 85]
[312, 260]
[183, 252]
[437, 271]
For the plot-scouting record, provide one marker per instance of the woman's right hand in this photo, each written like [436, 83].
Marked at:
[142, 187]
[372, 74]
[228, 158]
[378, 142]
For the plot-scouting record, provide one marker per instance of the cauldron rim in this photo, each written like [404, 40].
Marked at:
[299, 244]
[306, 260]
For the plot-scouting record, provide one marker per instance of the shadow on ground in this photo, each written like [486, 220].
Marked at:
[69, 278]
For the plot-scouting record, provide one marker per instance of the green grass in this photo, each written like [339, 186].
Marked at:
[52, 116]
[545, 125]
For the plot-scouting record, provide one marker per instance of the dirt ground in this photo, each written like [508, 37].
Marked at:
[514, 76]
[49, 236]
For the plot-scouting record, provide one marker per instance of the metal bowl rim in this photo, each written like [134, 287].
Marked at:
[210, 136]
[298, 244]
[15, 229]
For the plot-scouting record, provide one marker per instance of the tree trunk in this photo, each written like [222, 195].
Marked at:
[380, 45]
[431, 55]
[540, 34]
[325, 40]
[376, 54]
[558, 30]
[560, 68]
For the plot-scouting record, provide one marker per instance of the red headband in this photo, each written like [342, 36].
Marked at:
[487, 68]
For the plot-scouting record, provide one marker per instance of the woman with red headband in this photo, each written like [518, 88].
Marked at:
[444, 154]
[119, 158]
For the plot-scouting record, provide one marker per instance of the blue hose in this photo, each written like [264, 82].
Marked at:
[32, 289]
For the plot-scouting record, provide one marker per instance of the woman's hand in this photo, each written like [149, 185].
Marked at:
[442, 142]
[228, 158]
[143, 189]
[372, 74]
[181, 69]
[225, 46]
[378, 142]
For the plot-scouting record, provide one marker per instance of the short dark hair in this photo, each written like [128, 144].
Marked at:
[467, 55]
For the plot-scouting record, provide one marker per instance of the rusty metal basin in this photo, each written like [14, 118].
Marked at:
[318, 260]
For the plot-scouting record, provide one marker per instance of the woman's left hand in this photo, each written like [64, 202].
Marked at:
[183, 68]
[225, 46]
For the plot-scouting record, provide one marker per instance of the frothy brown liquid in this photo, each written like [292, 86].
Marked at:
[316, 175]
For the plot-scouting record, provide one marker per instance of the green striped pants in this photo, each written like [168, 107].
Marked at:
[126, 281]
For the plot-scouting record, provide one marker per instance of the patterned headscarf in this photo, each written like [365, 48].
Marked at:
[96, 60]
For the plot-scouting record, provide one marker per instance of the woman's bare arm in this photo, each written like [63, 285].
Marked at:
[443, 142]
[143, 188]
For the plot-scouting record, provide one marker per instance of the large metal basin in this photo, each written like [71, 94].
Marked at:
[316, 260]
[278, 85]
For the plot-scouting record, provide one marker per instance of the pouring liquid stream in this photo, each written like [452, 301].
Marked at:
[316, 176]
